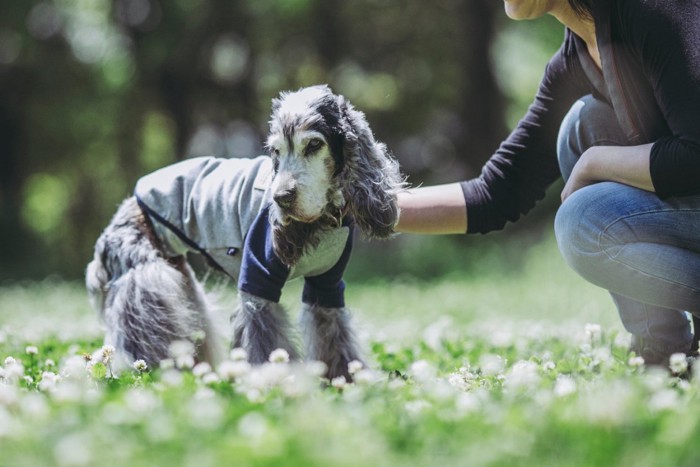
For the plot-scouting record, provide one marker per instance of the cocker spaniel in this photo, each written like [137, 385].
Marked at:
[261, 221]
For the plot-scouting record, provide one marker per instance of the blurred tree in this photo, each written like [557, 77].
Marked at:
[482, 104]
[94, 93]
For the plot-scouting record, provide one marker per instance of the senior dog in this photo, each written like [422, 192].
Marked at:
[261, 221]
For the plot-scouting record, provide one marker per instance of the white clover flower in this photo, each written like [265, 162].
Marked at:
[523, 375]
[28, 379]
[206, 410]
[238, 353]
[33, 406]
[299, 383]
[181, 348]
[9, 395]
[141, 401]
[636, 361]
[602, 356]
[678, 363]
[253, 425]
[467, 402]
[366, 377]
[422, 371]
[417, 406]
[73, 449]
[230, 370]
[107, 353]
[75, 368]
[201, 369]
[279, 356]
[549, 365]
[171, 377]
[211, 378]
[167, 363]
[622, 340]
[665, 399]
[339, 382]
[354, 366]
[316, 368]
[48, 381]
[49, 363]
[14, 370]
[594, 332]
[564, 386]
[254, 395]
[31, 350]
[71, 391]
[396, 384]
[140, 365]
[184, 362]
[462, 379]
[198, 336]
[491, 364]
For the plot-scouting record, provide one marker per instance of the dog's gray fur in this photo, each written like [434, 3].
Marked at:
[145, 300]
[148, 301]
[261, 326]
[329, 338]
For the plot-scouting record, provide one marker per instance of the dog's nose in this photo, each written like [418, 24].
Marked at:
[285, 198]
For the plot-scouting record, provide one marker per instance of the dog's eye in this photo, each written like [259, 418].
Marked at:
[313, 145]
[275, 151]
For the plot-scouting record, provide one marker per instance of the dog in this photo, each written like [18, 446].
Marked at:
[262, 221]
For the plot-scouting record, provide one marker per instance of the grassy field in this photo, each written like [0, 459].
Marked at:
[522, 367]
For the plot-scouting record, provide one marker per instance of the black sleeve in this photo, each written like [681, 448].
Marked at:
[262, 273]
[525, 164]
[666, 35]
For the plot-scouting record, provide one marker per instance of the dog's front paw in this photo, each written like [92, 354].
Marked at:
[261, 327]
[330, 339]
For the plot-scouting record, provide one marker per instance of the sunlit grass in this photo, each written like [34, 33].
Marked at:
[475, 369]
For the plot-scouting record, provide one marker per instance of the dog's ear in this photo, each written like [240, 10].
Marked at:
[370, 178]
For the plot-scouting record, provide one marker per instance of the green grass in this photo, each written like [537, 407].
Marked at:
[489, 368]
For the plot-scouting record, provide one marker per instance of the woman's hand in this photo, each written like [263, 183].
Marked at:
[580, 177]
[622, 164]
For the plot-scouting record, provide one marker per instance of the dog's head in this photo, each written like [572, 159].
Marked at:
[328, 164]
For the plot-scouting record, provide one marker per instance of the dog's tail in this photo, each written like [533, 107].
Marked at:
[146, 301]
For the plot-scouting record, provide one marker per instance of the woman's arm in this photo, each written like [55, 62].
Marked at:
[439, 209]
[623, 164]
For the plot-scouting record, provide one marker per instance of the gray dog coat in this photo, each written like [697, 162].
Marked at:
[220, 208]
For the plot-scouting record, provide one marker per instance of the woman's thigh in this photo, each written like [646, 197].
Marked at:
[634, 243]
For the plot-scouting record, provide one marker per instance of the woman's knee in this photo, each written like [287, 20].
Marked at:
[578, 226]
[568, 148]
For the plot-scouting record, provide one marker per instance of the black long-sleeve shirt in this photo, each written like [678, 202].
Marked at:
[650, 53]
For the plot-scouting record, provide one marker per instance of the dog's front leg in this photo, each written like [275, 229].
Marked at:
[261, 326]
[329, 338]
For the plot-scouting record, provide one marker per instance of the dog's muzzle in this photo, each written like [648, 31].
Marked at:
[285, 198]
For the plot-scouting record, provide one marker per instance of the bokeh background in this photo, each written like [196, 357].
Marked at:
[95, 93]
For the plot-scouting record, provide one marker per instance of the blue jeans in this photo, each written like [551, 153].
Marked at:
[644, 250]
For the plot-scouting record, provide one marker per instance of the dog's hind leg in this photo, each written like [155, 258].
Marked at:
[140, 295]
[208, 347]
[261, 326]
[329, 338]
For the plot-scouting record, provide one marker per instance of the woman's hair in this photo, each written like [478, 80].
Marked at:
[583, 8]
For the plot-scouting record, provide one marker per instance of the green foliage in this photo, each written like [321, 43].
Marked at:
[97, 93]
[492, 370]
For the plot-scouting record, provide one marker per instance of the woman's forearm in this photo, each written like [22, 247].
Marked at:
[622, 164]
[439, 209]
